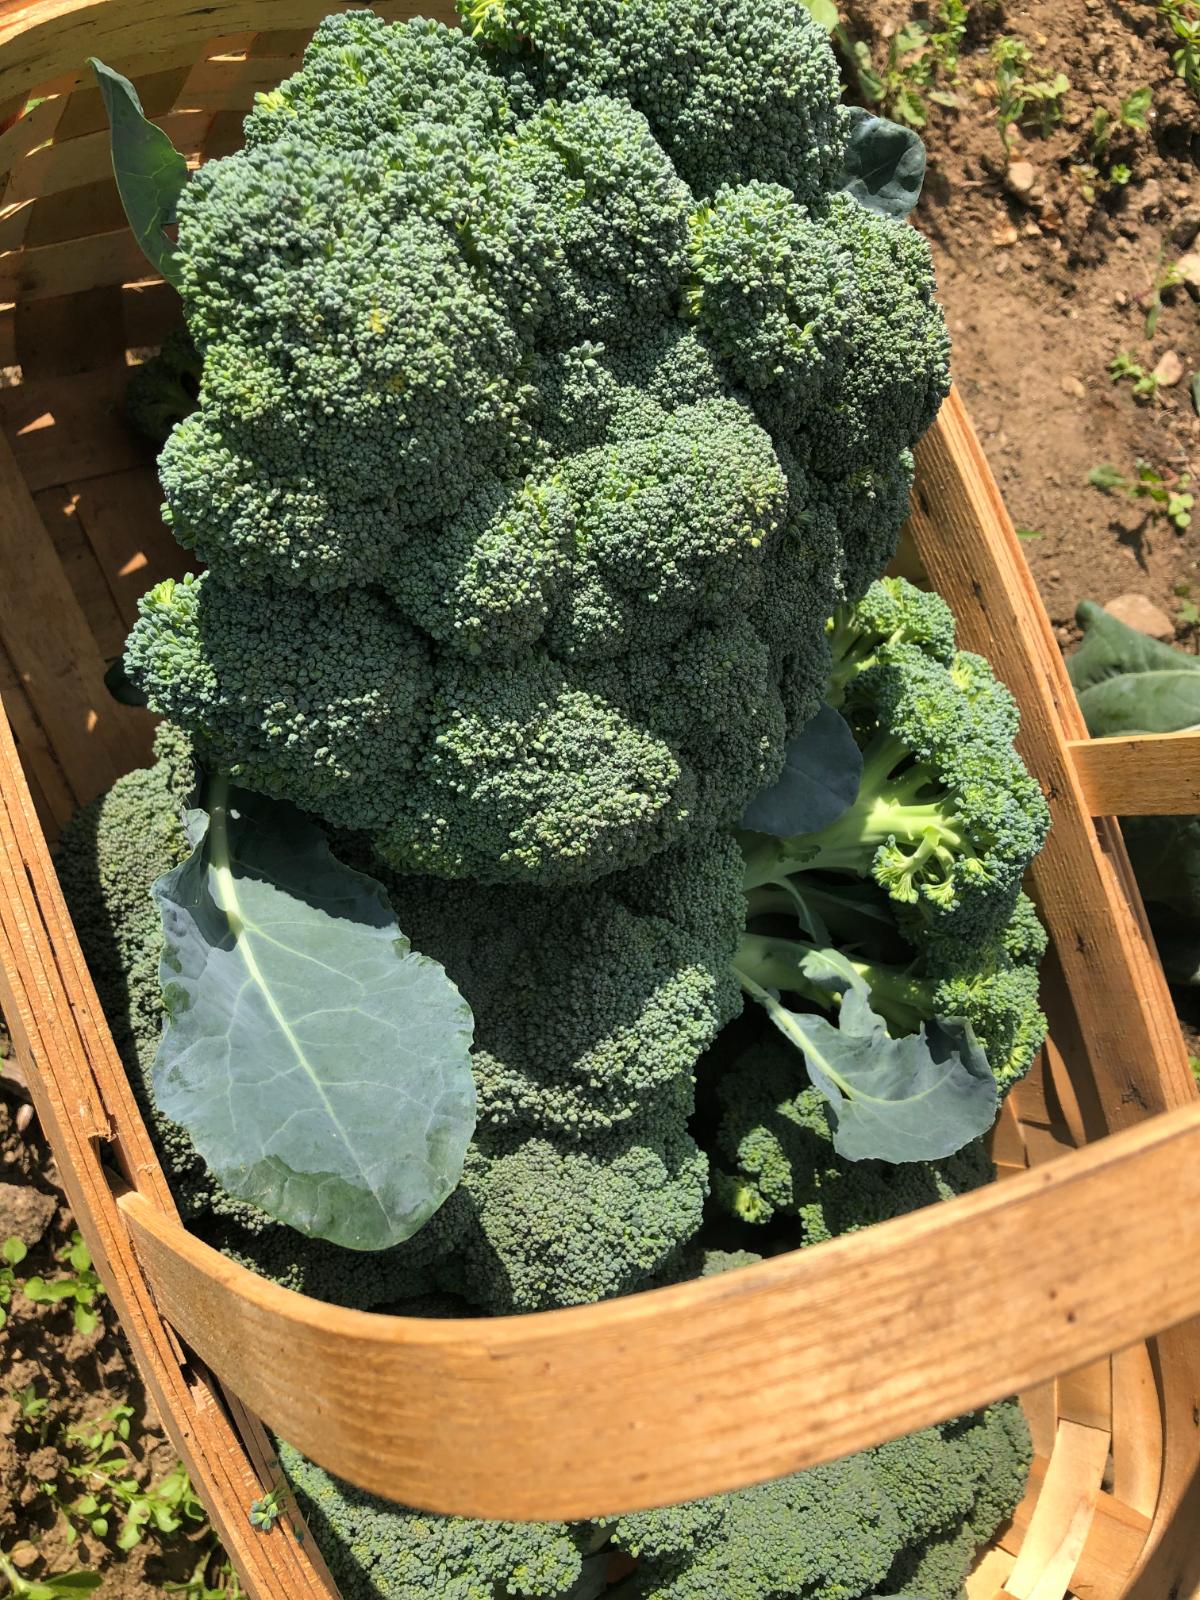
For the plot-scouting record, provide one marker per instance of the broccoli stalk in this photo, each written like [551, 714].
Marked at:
[912, 844]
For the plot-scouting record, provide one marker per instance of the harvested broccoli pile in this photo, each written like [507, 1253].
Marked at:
[542, 426]
[543, 422]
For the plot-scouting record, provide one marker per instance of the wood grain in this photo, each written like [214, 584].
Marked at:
[1143, 775]
[1063, 1517]
[721, 1382]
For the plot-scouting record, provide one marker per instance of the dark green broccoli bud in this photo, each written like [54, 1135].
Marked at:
[617, 210]
[380, 1551]
[869, 509]
[364, 79]
[826, 1532]
[897, 370]
[319, 699]
[775, 1155]
[749, 91]
[165, 389]
[776, 294]
[567, 1223]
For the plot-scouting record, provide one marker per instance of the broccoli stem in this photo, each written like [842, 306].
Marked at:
[888, 808]
[219, 854]
[768, 962]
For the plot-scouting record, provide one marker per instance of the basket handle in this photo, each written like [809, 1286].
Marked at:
[688, 1391]
[1139, 775]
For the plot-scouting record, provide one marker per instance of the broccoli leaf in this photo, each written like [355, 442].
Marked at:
[884, 167]
[320, 1064]
[1128, 683]
[919, 1098]
[820, 779]
[150, 172]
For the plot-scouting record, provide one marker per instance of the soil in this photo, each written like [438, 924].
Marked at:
[1043, 288]
[83, 1376]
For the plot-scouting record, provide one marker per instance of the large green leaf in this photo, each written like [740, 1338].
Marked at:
[150, 172]
[919, 1098]
[884, 167]
[320, 1065]
[1128, 683]
[820, 780]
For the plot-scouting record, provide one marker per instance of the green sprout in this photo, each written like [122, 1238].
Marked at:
[1166, 276]
[920, 56]
[12, 1253]
[81, 1286]
[1021, 98]
[33, 1411]
[1183, 17]
[112, 1496]
[1125, 365]
[1166, 495]
[59, 1586]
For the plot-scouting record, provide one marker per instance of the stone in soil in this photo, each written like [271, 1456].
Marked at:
[1135, 611]
[25, 1212]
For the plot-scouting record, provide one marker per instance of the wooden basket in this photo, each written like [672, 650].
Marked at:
[1026, 1286]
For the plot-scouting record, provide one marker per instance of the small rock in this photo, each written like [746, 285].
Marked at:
[24, 1118]
[42, 1466]
[1020, 178]
[1032, 231]
[1135, 611]
[1073, 387]
[1121, 300]
[1188, 268]
[25, 1212]
[24, 1554]
[1169, 369]
[1003, 238]
[1186, 229]
[1147, 197]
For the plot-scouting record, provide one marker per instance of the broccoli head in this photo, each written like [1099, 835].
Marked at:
[947, 819]
[552, 399]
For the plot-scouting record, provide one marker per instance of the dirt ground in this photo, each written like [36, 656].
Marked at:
[1044, 287]
[57, 1387]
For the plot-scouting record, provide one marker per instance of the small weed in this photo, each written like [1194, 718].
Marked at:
[1183, 17]
[112, 1496]
[1166, 276]
[59, 1586]
[12, 1253]
[1021, 98]
[1030, 533]
[1098, 175]
[1187, 612]
[921, 58]
[1125, 365]
[33, 1412]
[1166, 495]
[81, 1286]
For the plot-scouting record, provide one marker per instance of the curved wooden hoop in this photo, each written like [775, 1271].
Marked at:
[711, 1385]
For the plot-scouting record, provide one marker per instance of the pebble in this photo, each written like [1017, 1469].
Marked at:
[26, 1212]
[1186, 228]
[1147, 197]
[1074, 387]
[1004, 237]
[1020, 178]
[1121, 299]
[1135, 611]
[1188, 268]
[1169, 369]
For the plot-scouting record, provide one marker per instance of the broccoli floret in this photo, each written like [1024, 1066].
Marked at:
[775, 1156]
[512, 466]
[568, 1222]
[748, 91]
[947, 819]
[379, 1551]
[165, 389]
